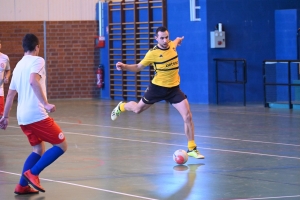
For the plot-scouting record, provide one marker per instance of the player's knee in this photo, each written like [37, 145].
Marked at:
[188, 117]
[63, 145]
[39, 149]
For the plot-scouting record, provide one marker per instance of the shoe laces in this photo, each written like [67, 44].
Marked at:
[195, 150]
[116, 112]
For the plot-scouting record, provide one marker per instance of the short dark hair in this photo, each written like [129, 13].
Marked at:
[29, 42]
[161, 29]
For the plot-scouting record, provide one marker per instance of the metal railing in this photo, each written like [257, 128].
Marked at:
[235, 81]
[289, 84]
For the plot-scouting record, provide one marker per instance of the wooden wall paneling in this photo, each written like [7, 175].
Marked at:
[132, 28]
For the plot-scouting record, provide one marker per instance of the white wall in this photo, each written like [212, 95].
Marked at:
[47, 10]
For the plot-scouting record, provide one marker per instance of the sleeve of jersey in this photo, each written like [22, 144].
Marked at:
[38, 65]
[171, 44]
[12, 85]
[148, 59]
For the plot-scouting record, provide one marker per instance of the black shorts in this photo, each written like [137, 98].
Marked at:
[155, 93]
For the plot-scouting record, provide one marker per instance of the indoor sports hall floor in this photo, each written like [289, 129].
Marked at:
[251, 152]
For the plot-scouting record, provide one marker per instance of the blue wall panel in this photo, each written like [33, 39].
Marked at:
[104, 56]
[250, 34]
[286, 33]
[193, 51]
[286, 25]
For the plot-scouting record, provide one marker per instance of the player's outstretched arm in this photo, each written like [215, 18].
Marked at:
[132, 67]
[178, 41]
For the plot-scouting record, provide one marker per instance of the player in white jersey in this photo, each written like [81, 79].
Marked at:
[4, 77]
[29, 82]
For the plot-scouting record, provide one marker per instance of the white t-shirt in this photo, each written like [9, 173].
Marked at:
[30, 109]
[4, 65]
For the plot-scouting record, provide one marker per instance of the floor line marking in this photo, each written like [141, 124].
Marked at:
[213, 149]
[84, 186]
[254, 141]
[201, 136]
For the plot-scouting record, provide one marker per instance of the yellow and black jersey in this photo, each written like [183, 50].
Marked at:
[166, 65]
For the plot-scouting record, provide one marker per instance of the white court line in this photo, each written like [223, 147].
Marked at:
[145, 141]
[170, 133]
[84, 186]
[143, 130]
[270, 197]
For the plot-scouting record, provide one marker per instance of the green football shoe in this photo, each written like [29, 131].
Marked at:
[116, 112]
[195, 153]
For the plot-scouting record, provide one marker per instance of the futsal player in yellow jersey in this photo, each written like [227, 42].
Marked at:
[164, 86]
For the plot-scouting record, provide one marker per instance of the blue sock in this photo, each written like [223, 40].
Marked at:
[30, 162]
[49, 157]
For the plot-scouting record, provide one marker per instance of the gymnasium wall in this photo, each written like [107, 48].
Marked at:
[286, 24]
[66, 30]
[250, 34]
[193, 54]
[71, 58]
[47, 10]
[11, 34]
[192, 61]
[71, 25]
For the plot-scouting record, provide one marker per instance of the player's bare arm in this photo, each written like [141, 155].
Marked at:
[6, 76]
[178, 41]
[132, 67]
[9, 102]
[36, 86]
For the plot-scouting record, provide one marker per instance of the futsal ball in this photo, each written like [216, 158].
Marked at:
[180, 156]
